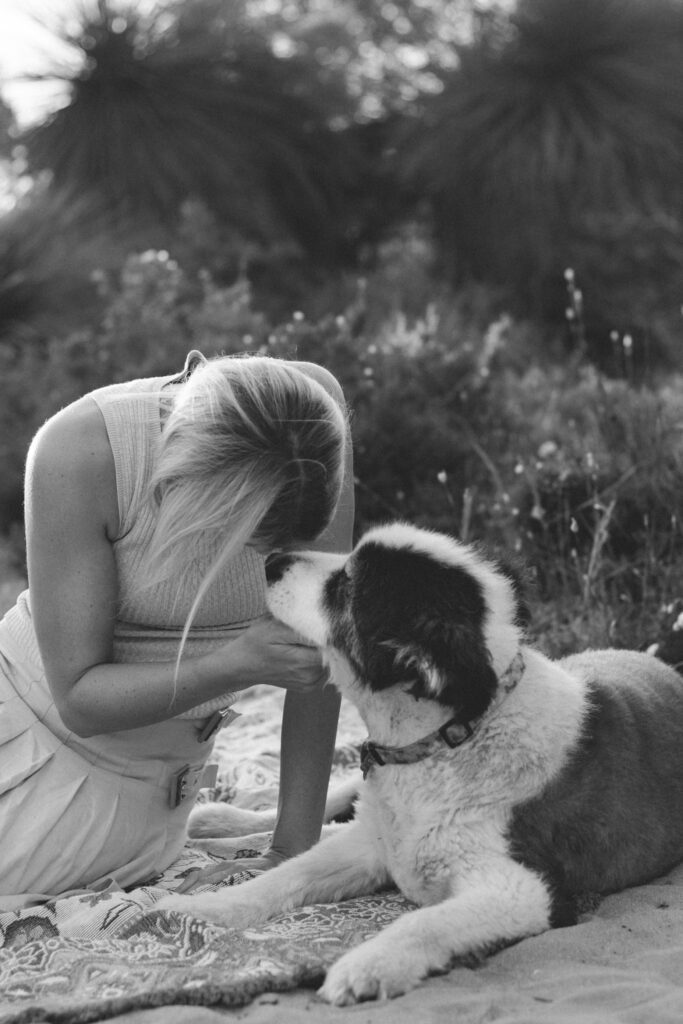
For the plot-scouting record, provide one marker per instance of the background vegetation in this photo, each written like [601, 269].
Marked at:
[472, 216]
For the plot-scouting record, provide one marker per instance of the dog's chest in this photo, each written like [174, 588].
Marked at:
[423, 843]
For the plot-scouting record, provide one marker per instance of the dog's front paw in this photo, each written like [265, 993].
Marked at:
[196, 906]
[225, 908]
[374, 970]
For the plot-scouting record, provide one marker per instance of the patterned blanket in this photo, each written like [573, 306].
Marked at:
[92, 956]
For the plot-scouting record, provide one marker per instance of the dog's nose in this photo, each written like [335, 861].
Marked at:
[276, 565]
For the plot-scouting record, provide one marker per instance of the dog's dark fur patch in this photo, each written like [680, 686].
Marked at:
[578, 852]
[430, 622]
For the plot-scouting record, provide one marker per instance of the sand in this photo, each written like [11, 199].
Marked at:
[624, 963]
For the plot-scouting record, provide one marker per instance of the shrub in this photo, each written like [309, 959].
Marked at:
[557, 141]
[462, 421]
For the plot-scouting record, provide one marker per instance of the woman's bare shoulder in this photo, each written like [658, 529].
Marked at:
[72, 449]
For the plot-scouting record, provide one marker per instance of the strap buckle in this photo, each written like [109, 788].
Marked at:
[184, 784]
[218, 720]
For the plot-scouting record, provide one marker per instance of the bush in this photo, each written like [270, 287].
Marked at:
[462, 421]
[557, 140]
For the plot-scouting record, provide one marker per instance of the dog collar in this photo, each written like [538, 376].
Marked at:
[453, 733]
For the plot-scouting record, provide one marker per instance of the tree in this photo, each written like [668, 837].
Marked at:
[560, 132]
[187, 102]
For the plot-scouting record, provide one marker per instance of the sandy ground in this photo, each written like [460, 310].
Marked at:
[623, 963]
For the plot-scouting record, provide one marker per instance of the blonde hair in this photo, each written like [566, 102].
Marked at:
[252, 450]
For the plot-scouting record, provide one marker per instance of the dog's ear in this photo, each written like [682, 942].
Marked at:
[452, 665]
[519, 576]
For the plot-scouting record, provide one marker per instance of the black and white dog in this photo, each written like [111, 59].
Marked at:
[499, 784]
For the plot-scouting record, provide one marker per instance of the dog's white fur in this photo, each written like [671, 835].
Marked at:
[442, 829]
[213, 821]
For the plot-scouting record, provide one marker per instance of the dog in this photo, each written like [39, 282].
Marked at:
[499, 785]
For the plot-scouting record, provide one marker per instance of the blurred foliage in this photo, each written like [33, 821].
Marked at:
[304, 133]
[472, 216]
[382, 56]
[164, 108]
[558, 141]
[50, 243]
[7, 124]
[461, 422]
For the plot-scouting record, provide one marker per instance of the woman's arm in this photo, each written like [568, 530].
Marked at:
[309, 723]
[71, 520]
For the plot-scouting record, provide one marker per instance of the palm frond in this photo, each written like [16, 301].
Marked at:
[576, 108]
[176, 107]
[51, 244]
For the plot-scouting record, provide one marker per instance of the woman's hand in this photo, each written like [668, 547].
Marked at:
[271, 653]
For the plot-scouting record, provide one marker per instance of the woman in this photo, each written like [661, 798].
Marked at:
[149, 508]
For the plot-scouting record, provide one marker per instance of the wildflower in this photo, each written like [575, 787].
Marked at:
[547, 449]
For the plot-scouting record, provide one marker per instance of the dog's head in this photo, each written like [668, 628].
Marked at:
[407, 605]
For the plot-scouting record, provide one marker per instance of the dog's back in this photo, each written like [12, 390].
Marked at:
[613, 816]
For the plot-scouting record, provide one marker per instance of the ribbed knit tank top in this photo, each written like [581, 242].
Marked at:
[153, 622]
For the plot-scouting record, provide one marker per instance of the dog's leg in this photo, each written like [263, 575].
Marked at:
[341, 798]
[346, 864]
[498, 905]
[223, 820]
[230, 849]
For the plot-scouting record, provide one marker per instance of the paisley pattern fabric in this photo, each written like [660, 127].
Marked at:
[91, 956]
[87, 958]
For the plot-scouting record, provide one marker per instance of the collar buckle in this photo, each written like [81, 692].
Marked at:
[453, 733]
[369, 756]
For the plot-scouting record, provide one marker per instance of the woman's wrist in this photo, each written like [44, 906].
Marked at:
[224, 670]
